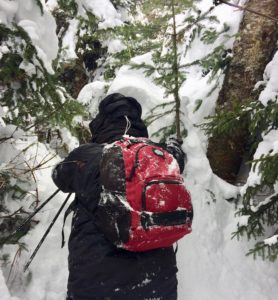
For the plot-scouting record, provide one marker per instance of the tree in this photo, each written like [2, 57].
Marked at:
[253, 49]
[33, 101]
[178, 25]
[39, 85]
[29, 87]
[241, 124]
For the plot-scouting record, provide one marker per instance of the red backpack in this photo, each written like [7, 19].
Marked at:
[144, 204]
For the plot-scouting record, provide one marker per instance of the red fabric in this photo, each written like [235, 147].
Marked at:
[160, 197]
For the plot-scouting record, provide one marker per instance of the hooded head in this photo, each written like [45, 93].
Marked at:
[112, 121]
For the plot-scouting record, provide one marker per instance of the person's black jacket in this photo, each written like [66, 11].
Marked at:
[97, 268]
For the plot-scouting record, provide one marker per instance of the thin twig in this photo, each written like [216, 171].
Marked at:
[41, 163]
[18, 252]
[36, 155]
[249, 10]
[13, 214]
[35, 179]
[3, 140]
[2, 182]
[22, 151]
[37, 167]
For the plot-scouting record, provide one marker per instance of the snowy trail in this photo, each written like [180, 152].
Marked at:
[214, 267]
[211, 265]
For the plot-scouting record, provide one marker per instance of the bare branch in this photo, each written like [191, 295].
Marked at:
[3, 140]
[35, 180]
[249, 10]
[17, 254]
[20, 210]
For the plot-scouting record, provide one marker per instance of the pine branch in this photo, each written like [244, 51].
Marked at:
[161, 105]
[261, 248]
[264, 215]
[153, 118]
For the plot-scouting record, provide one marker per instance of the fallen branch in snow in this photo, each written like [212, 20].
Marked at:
[249, 10]
[20, 210]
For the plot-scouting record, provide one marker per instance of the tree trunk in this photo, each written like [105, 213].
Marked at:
[253, 49]
[176, 72]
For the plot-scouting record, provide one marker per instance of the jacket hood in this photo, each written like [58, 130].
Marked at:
[111, 121]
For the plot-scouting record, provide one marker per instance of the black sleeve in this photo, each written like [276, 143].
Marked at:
[79, 172]
[173, 146]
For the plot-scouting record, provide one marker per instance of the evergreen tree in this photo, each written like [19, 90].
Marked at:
[91, 60]
[31, 97]
[168, 69]
[40, 99]
[259, 207]
[32, 101]
[244, 123]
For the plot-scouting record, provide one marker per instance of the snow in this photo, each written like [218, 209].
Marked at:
[2, 114]
[3, 50]
[270, 93]
[10, 131]
[271, 241]
[104, 10]
[7, 10]
[64, 143]
[133, 83]
[243, 220]
[29, 68]
[50, 252]
[52, 4]
[4, 292]
[268, 143]
[114, 46]
[69, 40]
[212, 266]
[91, 94]
[40, 28]
[108, 18]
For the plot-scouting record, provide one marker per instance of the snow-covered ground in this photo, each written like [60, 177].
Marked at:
[211, 265]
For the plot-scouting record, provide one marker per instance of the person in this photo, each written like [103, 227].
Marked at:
[97, 268]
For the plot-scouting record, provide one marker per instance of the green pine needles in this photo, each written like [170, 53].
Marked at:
[167, 69]
[259, 206]
[34, 96]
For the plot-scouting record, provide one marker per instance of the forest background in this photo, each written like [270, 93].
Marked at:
[204, 70]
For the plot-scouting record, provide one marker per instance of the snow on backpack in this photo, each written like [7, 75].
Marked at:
[144, 204]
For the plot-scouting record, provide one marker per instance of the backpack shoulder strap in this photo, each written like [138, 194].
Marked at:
[68, 211]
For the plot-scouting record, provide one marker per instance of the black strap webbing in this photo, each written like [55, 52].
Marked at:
[66, 214]
[171, 218]
[177, 247]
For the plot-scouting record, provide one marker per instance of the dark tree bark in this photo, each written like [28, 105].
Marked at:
[253, 49]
